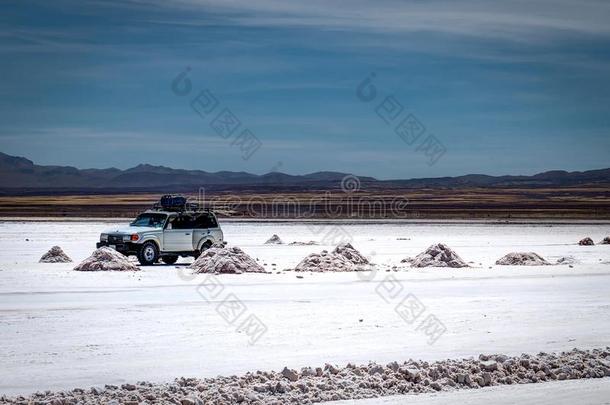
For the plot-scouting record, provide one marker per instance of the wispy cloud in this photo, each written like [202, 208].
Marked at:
[90, 81]
[517, 20]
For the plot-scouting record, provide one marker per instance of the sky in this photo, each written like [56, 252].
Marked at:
[389, 89]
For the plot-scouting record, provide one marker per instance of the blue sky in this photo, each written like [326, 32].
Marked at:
[513, 87]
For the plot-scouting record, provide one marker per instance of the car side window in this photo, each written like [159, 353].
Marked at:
[205, 221]
[183, 222]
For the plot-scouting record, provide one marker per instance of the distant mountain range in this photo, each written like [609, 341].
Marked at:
[19, 175]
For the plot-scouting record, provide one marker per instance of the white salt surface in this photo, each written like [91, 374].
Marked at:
[61, 328]
[581, 392]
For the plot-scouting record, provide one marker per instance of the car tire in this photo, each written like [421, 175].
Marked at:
[148, 254]
[204, 247]
[169, 259]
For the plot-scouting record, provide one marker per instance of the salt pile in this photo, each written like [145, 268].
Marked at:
[567, 260]
[586, 242]
[274, 240]
[310, 243]
[522, 259]
[439, 255]
[347, 250]
[55, 255]
[325, 261]
[219, 259]
[343, 258]
[106, 259]
[351, 382]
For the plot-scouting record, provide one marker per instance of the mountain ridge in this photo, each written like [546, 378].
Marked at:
[21, 175]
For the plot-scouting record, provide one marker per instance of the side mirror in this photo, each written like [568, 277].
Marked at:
[169, 226]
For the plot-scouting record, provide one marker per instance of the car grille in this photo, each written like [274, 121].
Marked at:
[115, 239]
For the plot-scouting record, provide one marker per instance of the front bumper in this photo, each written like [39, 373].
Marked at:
[126, 248]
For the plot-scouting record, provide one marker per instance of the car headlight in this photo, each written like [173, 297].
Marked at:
[131, 238]
[104, 237]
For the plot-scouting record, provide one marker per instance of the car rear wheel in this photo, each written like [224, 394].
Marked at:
[148, 254]
[169, 259]
[204, 247]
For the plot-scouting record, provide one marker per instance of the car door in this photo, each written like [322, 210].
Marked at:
[205, 227]
[178, 235]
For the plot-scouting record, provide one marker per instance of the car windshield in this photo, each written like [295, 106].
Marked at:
[151, 220]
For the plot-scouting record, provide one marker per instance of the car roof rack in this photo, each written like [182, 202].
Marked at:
[188, 207]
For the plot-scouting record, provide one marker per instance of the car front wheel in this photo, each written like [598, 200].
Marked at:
[148, 254]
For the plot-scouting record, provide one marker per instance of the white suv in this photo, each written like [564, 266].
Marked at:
[165, 234]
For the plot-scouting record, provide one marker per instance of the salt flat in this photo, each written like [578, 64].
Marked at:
[583, 392]
[63, 329]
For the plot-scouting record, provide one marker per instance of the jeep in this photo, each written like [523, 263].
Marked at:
[165, 232]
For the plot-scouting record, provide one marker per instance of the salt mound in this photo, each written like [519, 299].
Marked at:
[567, 260]
[232, 260]
[439, 255]
[325, 261]
[106, 259]
[347, 250]
[606, 241]
[586, 242]
[522, 259]
[310, 243]
[343, 258]
[274, 240]
[55, 255]
[355, 381]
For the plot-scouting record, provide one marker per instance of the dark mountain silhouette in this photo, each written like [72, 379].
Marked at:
[19, 175]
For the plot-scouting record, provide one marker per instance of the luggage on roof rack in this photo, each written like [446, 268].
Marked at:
[177, 203]
[172, 202]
